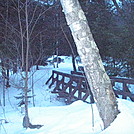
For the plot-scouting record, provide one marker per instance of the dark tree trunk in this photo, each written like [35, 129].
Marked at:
[37, 67]
[14, 67]
[73, 62]
[7, 78]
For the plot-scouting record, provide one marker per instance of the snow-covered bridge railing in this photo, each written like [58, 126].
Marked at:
[74, 86]
[71, 87]
[123, 87]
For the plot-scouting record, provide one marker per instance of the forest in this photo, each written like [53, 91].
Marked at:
[38, 36]
[111, 24]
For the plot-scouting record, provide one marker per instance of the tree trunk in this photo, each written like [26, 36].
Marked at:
[7, 77]
[73, 62]
[98, 80]
[26, 122]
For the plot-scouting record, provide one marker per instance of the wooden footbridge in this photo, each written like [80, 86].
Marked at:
[74, 86]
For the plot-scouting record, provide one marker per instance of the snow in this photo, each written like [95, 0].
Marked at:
[125, 120]
[52, 112]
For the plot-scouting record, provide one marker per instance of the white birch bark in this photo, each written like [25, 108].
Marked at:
[97, 78]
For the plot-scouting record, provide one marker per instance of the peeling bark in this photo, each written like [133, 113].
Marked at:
[97, 78]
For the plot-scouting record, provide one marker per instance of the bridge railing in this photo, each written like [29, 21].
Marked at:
[123, 89]
[74, 86]
[71, 87]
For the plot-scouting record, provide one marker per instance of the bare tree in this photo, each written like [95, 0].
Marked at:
[26, 122]
[24, 27]
[97, 78]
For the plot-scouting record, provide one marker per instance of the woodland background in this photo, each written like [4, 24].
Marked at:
[111, 22]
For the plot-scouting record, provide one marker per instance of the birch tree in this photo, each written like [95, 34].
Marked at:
[98, 80]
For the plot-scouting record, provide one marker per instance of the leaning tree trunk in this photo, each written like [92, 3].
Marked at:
[97, 78]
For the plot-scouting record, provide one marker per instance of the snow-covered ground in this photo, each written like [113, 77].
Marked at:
[55, 116]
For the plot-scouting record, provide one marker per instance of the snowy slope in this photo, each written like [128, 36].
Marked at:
[53, 114]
